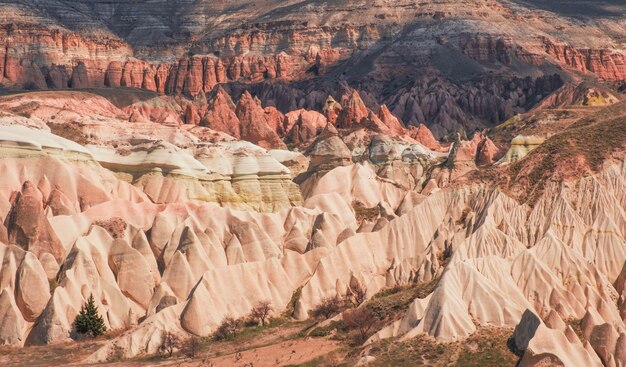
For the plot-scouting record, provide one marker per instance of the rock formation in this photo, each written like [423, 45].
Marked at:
[472, 153]
[520, 147]
[103, 49]
[220, 114]
[256, 125]
[354, 111]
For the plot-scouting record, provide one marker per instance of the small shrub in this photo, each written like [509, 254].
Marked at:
[291, 306]
[328, 329]
[261, 312]
[356, 295]
[191, 347]
[169, 343]
[116, 354]
[329, 307]
[88, 321]
[362, 212]
[228, 329]
[53, 285]
[360, 319]
[321, 332]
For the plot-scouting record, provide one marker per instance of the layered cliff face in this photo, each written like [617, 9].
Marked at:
[397, 54]
[168, 161]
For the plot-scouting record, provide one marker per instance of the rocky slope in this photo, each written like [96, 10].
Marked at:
[509, 55]
[120, 198]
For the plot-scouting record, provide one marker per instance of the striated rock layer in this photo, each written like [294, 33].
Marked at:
[167, 164]
[505, 52]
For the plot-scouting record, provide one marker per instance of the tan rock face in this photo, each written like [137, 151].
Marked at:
[604, 63]
[275, 120]
[487, 152]
[303, 126]
[152, 250]
[29, 227]
[191, 115]
[487, 48]
[332, 110]
[329, 152]
[220, 47]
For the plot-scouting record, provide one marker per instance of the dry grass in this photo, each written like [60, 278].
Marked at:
[391, 304]
[580, 150]
[576, 151]
[487, 347]
[386, 307]
[49, 355]
[363, 213]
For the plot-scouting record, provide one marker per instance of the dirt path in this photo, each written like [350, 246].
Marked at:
[273, 347]
[288, 352]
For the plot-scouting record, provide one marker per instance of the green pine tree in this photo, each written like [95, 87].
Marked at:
[89, 320]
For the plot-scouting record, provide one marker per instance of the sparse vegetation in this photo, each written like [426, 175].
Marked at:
[117, 354]
[88, 321]
[261, 312]
[487, 347]
[191, 347]
[360, 319]
[390, 304]
[228, 329]
[577, 326]
[358, 324]
[291, 306]
[356, 295]
[169, 343]
[322, 331]
[52, 283]
[579, 150]
[327, 308]
[362, 212]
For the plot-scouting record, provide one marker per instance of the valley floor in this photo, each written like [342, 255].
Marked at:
[307, 344]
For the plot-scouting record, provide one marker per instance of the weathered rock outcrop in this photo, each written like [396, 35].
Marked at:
[256, 125]
[220, 114]
[354, 111]
[302, 126]
[328, 152]
[28, 226]
[424, 136]
[103, 49]
[609, 64]
[175, 210]
[172, 163]
[332, 110]
[520, 147]
[391, 122]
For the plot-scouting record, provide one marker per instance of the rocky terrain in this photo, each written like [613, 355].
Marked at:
[403, 183]
[450, 65]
